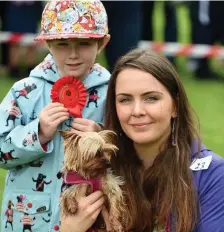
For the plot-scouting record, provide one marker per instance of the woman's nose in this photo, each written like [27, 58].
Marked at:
[138, 109]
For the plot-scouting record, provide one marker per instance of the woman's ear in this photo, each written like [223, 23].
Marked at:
[102, 43]
[175, 107]
[174, 112]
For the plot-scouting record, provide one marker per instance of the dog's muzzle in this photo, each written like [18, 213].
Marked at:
[107, 163]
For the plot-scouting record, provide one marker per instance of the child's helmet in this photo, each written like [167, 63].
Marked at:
[73, 19]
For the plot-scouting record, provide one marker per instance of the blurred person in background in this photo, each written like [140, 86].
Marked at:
[21, 17]
[3, 46]
[207, 28]
[124, 26]
[169, 18]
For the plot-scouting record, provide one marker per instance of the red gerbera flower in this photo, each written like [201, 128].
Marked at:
[72, 93]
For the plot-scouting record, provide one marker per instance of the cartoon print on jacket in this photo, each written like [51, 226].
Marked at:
[30, 139]
[13, 111]
[93, 97]
[36, 164]
[9, 214]
[4, 157]
[33, 116]
[98, 70]
[27, 221]
[64, 185]
[14, 172]
[40, 182]
[46, 65]
[57, 227]
[26, 90]
[8, 139]
[69, 124]
[47, 220]
[20, 205]
[13, 177]
[34, 160]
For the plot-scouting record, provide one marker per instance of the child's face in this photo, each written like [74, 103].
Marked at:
[74, 57]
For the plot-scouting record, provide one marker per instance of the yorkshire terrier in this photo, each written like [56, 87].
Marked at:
[87, 160]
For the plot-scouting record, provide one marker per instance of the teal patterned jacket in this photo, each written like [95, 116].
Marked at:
[32, 189]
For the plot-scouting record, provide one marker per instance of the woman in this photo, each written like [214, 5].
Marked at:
[148, 108]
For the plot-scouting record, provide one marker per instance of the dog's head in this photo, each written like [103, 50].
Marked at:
[88, 153]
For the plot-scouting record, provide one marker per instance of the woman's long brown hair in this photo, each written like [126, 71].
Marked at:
[167, 187]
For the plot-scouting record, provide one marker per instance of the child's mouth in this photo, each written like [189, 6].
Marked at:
[74, 66]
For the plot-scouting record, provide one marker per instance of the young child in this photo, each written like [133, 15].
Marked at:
[30, 148]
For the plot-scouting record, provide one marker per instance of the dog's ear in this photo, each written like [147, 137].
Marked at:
[108, 136]
[109, 148]
[65, 134]
[68, 133]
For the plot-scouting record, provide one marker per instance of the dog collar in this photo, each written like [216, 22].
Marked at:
[71, 178]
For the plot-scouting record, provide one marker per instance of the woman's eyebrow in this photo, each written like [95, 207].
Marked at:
[146, 93]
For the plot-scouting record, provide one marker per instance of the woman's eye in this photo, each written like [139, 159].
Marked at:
[124, 100]
[151, 98]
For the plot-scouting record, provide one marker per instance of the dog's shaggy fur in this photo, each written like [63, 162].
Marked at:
[89, 154]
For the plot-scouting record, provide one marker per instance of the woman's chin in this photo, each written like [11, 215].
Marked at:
[142, 140]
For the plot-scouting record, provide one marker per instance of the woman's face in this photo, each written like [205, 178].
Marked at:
[144, 106]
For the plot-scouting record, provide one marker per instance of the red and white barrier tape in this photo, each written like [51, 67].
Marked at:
[18, 38]
[190, 50]
[168, 49]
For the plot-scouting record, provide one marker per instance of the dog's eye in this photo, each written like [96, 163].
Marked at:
[99, 154]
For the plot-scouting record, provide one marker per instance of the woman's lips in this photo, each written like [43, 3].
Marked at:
[140, 125]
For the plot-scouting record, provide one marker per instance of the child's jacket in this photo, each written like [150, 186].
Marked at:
[32, 188]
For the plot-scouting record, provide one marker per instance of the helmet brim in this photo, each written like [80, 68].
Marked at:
[69, 36]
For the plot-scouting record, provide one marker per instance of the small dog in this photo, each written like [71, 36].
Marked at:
[87, 160]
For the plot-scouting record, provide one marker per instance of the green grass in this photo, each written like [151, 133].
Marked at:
[206, 97]
[5, 84]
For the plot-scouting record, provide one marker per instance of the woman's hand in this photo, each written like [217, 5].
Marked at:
[84, 125]
[89, 208]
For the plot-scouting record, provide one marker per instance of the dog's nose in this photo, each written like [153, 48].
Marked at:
[108, 163]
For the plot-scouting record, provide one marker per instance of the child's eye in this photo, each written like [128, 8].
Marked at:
[84, 43]
[62, 44]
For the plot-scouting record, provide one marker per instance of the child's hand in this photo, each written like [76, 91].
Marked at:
[88, 211]
[84, 125]
[50, 117]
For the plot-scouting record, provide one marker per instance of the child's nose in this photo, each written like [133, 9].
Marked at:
[73, 53]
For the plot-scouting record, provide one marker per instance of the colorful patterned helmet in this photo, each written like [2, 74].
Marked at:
[73, 19]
